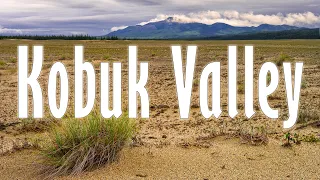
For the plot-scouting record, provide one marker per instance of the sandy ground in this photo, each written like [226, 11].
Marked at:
[170, 148]
[226, 159]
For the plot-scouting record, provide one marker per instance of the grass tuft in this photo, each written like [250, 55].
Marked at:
[62, 58]
[304, 84]
[268, 78]
[306, 115]
[106, 57]
[241, 89]
[2, 64]
[256, 136]
[283, 58]
[196, 82]
[78, 145]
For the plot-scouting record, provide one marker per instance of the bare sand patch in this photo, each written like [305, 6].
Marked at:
[226, 159]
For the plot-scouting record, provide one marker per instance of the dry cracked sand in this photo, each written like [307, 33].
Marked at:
[166, 147]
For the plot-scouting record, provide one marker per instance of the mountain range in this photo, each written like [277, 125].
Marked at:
[168, 29]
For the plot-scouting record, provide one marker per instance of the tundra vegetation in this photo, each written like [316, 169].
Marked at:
[61, 141]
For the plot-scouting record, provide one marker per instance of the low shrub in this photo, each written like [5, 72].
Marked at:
[289, 138]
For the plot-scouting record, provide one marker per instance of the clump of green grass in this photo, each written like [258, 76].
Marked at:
[240, 88]
[268, 78]
[196, 82]
[106, 57]
[304, 84]
[283, 58]
[13, 60]
[2, 63]
[78, 145]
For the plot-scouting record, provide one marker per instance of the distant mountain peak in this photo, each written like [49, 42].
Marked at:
[170, 28]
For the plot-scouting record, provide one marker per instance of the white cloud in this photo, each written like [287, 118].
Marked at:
[307, 19]
[9, 31]
[116, 28]
[78, 33]
[63, 17]
[159, 17]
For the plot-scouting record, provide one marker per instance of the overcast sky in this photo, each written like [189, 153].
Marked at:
[98, 17]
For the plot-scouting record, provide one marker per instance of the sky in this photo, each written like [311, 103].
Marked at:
[99, 17]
